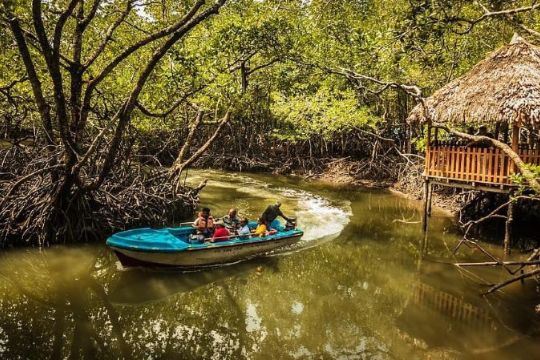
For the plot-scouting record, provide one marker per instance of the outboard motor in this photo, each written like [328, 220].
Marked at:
[290, 224]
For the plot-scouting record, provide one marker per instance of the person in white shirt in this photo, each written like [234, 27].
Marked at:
[243, 229]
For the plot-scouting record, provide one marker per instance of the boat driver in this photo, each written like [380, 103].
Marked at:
[270, 215]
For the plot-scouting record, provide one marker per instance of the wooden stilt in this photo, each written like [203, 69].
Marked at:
[508, 228]
[425, 244]
[430, 198]
[426, 206]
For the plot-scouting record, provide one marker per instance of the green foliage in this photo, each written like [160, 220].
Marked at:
[518, 179]
[409, 41]
[327, 113]
[420, 143]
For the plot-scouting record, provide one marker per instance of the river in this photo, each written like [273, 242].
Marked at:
[360, 285]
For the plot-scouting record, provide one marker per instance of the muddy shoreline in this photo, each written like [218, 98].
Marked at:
[362, 174]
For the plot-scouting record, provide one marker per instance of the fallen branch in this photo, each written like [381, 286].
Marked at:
[512, 280]
[500, 263]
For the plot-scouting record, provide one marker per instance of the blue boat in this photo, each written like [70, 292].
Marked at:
[174, 247]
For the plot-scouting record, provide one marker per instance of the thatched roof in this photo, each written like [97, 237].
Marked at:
[497, 89]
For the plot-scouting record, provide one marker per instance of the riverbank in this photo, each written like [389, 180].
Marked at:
[392, 173]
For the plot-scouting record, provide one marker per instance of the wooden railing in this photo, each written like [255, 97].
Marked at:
[452, 306]
[474, 164]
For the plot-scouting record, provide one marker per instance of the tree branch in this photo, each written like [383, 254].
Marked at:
[507, 13]
[187, 143]
[512, 280]
[177, 169]
[88, 18]
[109, 34]
[179, 25]
[37, 90]
[167, 112]
[58, 29]
[53, 65]
[130, 103]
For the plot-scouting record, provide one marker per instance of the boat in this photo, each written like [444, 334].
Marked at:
[174, 247]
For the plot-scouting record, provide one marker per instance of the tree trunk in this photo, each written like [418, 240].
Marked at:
[176, 171]
[189, 139]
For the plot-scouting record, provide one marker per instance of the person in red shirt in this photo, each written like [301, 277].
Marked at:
[221, 233]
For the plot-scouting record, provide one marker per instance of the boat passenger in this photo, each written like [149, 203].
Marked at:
[261, 228]
[271, 213]
[204, 223]
[231, 220]
[221, 233]
[243, 230]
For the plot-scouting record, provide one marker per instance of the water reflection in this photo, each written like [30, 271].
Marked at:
[48, 305]
[367, 293]
[473, 326]
[138, 286]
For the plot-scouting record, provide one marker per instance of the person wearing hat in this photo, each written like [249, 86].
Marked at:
[270, 215]
[221, 233]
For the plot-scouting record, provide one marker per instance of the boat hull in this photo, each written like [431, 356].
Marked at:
[208, 256]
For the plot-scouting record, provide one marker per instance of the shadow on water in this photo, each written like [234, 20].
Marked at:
[52, 309]
[139, 286]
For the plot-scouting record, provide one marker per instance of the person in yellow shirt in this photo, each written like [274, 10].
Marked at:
[261, 228]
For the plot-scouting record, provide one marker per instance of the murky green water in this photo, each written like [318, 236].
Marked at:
[356, 287]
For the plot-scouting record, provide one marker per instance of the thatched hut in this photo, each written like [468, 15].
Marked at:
[502, 89]
[498, 97]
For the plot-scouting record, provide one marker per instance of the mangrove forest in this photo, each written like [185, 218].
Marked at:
[269, 179]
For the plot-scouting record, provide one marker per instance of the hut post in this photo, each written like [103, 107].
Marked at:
[408, 145]
[430, 198]
[428, 137]
[508, 226]
[428, 149]
[505, 132]
[427, 205]
[427, 184]
[515, 137]
[512, 168]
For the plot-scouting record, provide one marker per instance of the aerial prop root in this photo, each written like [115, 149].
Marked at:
[30, 215]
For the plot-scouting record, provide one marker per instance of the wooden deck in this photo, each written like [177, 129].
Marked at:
[479, 165]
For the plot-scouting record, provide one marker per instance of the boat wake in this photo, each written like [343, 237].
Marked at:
[320, 218]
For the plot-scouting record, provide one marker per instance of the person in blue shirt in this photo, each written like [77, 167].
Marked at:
[243, 229]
